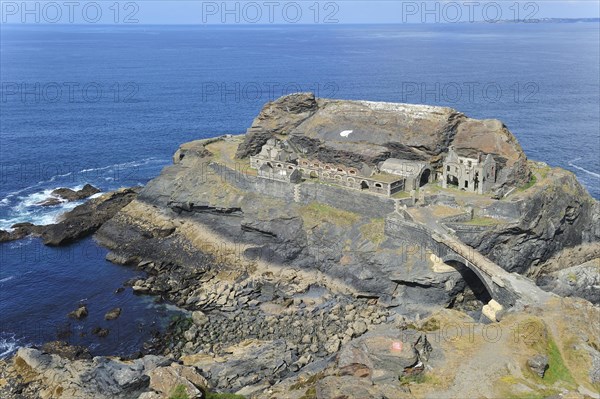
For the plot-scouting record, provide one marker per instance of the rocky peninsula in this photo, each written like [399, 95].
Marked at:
[304, 278]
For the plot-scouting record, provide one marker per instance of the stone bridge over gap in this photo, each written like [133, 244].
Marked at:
[507, 289]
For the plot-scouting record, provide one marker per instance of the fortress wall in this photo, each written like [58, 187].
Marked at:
[413, 234]
[352, 200]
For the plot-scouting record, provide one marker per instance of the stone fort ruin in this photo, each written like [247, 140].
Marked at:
[282, 161]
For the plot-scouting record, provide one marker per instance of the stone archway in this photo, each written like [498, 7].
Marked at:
[425, 177]
[476, 288]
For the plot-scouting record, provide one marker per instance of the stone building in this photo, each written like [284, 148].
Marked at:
[415, 173]
[277, 161]
[364, 178]
[283, 174]
[476, 175]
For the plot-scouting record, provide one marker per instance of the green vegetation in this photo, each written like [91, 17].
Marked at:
[401, 194]
[309, 385]
[316, 213]
[483, 221]
[311, 393]
[213, 395]
[539, 169]
[531, 182]
[308, 382]
[180, 392]
[374, 231]
[419, 378]
[557, 370]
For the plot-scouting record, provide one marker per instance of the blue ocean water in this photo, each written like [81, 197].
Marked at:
[108, 105]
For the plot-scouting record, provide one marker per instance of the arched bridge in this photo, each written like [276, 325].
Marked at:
[506, 288]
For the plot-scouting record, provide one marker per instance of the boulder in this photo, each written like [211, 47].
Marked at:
[113, 314]
[66, 351]
[385, 353]
[538, 364]
[199, 318]
[167, 380]
[73, 195]
[79, 313]
[101, 332]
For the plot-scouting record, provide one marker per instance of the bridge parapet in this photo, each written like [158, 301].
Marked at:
[505, 288]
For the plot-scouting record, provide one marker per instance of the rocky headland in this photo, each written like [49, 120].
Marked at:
[313, 290]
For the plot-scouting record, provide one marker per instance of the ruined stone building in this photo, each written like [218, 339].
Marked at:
[470, 174]
[277, 160]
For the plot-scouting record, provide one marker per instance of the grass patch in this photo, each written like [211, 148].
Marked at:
[374, 231]
[179, 392]
[557, 370]
[309, 384]
[310, 381]
[483, 221]
[529, 184]
[316, 213]
[420, 378]
[311, 393]
[214, 395]
[401, 195]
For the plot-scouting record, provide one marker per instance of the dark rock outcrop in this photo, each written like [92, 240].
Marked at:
[79, 313]
[85, 219]
[113, 314]
[66, 351]
[66, 194]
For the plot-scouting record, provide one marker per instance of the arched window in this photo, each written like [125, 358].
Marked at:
[378, 185]
[352, 172]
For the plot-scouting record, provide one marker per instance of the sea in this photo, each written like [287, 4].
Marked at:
[108, 105]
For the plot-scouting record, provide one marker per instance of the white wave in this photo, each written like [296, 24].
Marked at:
[589, 172]
[4, 280]
[8, 345]
[125, 165]
[29, 210]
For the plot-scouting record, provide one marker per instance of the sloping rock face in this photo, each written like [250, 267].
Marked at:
[375, 131]
[555, 214]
